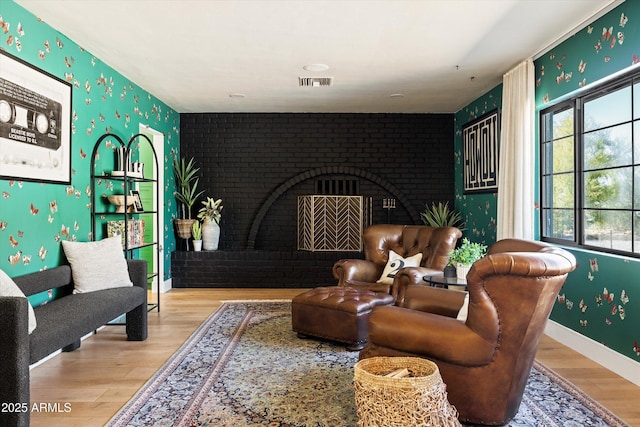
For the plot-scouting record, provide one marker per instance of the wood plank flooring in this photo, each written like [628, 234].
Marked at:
[107, 370]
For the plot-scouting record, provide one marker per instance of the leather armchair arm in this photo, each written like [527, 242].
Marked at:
[434, 336]
[348, 271]
[406, 277]
[428, 299]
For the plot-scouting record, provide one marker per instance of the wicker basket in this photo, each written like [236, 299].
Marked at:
[416, 400]
[183, 227]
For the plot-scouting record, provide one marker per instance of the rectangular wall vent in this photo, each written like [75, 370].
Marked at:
[337, 187]
[315, 81]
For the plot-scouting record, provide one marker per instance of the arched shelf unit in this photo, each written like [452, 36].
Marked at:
[139, 201]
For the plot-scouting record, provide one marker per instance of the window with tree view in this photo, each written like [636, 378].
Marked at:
[590, 169]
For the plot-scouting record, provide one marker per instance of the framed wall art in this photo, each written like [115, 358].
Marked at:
[480, 150]
[35, 123]
[137, 201]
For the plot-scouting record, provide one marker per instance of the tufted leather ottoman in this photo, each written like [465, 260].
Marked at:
[336, 313]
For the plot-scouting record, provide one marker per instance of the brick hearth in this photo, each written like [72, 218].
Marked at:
[255, 269]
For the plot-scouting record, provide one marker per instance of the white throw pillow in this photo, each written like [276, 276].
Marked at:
[464, 310]
[8, 288]
[97, 265]
[395, 264]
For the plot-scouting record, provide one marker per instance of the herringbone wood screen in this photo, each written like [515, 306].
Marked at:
[330, 223]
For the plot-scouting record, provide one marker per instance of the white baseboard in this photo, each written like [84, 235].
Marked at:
[601, 354]
[164, 287]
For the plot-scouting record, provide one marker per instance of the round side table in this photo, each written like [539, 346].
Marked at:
[439, 281]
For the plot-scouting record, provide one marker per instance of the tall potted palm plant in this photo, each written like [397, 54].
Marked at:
[186, 194]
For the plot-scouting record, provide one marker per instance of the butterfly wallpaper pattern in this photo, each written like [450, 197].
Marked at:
[479, 210]
[35, 217]
[600, 298]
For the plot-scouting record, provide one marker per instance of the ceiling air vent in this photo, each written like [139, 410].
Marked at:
[314, 81]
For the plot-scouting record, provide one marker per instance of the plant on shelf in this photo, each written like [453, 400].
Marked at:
[196, 232]
[439, 215]
[186, 193]
[465, 255]
[210, 213]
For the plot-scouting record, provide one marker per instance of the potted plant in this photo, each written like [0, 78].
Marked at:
[210, 214]
[439, 215]
[450, 269]
[196, 233]
[186, 193]
[465, 255]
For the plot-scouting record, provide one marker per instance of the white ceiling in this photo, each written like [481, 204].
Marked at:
[192, 54]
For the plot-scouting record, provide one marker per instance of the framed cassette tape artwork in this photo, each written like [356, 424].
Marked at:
[35, 123]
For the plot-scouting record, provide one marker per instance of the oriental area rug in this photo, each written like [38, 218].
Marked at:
[244, 366]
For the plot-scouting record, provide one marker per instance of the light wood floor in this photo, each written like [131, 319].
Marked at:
[107, 370]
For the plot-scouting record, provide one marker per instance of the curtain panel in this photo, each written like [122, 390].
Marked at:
[515, 212]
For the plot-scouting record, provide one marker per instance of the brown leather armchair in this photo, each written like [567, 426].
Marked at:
[435, 243]
[485, 361]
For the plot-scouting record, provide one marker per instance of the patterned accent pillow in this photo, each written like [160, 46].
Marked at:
[8, 288]
[397, 263]
[97, 265]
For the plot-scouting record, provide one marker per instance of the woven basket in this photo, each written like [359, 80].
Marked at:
[183, 227]
[418, 400]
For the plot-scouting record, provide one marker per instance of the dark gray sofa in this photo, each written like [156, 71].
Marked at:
[60, 325]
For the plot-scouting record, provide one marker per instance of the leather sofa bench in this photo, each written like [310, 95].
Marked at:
[336, 313]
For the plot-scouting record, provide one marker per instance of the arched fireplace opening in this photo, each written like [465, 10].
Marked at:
[378, 185]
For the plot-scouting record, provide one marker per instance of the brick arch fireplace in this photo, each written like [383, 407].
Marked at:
[260, 163]
[402, 199]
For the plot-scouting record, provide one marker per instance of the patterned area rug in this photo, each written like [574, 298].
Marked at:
[244, 366]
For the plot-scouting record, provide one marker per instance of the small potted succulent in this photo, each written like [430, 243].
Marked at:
[196, 233]
[465, 255]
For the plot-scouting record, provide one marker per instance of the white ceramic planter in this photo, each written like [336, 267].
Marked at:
[197, 245]
[210, 235]
[462, 270]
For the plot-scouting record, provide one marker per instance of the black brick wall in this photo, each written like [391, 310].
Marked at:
[255, 269]
[245, 157]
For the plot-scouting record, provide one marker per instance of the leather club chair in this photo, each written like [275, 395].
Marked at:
[435, 243]
[486, 360]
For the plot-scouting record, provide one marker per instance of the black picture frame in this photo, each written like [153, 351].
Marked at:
[480, 153]
[137, 201]
[35, 123]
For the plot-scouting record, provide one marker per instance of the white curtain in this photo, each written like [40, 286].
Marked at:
[516, 163]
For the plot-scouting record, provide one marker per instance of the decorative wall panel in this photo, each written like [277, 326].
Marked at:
[330, 223]
[480, 141]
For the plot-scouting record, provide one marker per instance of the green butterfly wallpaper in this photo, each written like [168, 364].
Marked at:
[36, 216]
[478, 209]
[600, 298]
